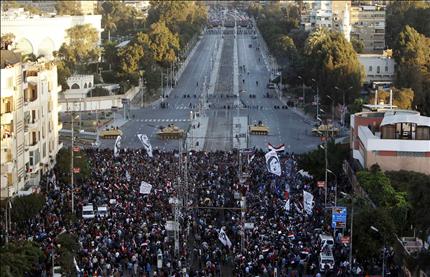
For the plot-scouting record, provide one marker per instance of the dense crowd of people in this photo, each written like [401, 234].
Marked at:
[262, 236]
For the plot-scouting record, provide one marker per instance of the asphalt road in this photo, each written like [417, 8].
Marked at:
[285, 126]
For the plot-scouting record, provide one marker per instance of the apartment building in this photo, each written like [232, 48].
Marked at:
[29, 122]
[41, 35]
[368, 25]
[378, 67]
[333, 15]
[394, 139]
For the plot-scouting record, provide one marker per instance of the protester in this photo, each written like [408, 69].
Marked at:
[132, 238]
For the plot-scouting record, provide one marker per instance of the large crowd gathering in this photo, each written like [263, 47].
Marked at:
[261, 236]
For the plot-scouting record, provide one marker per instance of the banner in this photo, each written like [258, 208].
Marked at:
[308, 199]
[145, 188]
[146, 144]
[278, 148]
[222, 236]
[272, 163]
[117, 146]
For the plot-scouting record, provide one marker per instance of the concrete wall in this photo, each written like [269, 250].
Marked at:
[392, 161]
[96, 103]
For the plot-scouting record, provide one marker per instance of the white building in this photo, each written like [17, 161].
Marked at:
[378, 67]
[29, 122]
[393, 139]
[41, 35]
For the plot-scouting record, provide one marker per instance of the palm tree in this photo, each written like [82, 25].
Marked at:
[19, 258]
[110, 25]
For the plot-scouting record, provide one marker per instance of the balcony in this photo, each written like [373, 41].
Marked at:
[6, 143]
[31, 124]
[6, 157]
[6, 118]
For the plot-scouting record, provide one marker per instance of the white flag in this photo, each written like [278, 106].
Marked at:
[145, 188]
[223, 238]
[117, 146]
[278, 148]
[146, 144]
[308, 199]
[127, 175]
[287, 205]
[272, 163]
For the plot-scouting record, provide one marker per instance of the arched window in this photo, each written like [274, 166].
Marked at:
[75, 86]
[85, 85]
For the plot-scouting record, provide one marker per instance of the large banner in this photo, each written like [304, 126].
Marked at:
[222, 236]
[277, 148]
[272, 163]
[308, 199]
[145, 188]
[146, 144]
[117, 146]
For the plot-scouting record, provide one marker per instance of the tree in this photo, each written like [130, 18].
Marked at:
[69, 248]
[314, 161]
[417, 187]
[68, 8]
[19, 258]
[81, 49]
[332, 61]
[7, 40]
[109, 24]
[402, 98]
[367, 243]
[407, 12]
[163, 43]
[412, 54]
[63, 165]
[358, 45]
[26, 207]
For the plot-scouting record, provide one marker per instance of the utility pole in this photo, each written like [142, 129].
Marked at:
[72, 167]
[326, 165]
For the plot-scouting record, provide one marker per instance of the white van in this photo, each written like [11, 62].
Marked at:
[102, 211]
[325, 240]
[88, 211]
[326, 259]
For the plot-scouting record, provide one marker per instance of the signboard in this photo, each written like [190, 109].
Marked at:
[323, 138]
[338, 218]
[345, 239]
[76, 149]
[249, 225]
[76, 169]
[321, 184]
[125, 101]
[171, 225]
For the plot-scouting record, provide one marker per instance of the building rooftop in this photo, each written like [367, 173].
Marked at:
[8, 58]
[405, 117]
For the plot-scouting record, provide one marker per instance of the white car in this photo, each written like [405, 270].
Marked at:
[88, 212]
[102, 211]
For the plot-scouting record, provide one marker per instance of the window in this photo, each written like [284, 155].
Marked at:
[378, 69]
[386, 68]
[370, 68]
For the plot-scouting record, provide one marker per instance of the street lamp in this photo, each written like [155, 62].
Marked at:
[332, 109]
[383, 251]
[73, 117]
[318, 96]
[325, 172]
[303, 88]
[335, 186]
[352, 226]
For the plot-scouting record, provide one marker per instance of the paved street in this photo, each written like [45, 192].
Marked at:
[222, 65]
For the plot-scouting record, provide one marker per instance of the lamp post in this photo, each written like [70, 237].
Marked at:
[343, 104]
[318, 98]
[383, 251]
[325, 172]
[335, 186]
[332, 109]
[352, 226]
[303, 89]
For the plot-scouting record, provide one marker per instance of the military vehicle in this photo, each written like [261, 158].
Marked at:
[170, 132]
[326, 130]
[258, 129]
[110, 133]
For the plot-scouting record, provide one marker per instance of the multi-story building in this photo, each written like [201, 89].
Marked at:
[41, 35]
[378, 67]
[393, 139]
[326, 14]
[29, 122]
[87, 7]
[368, 25]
